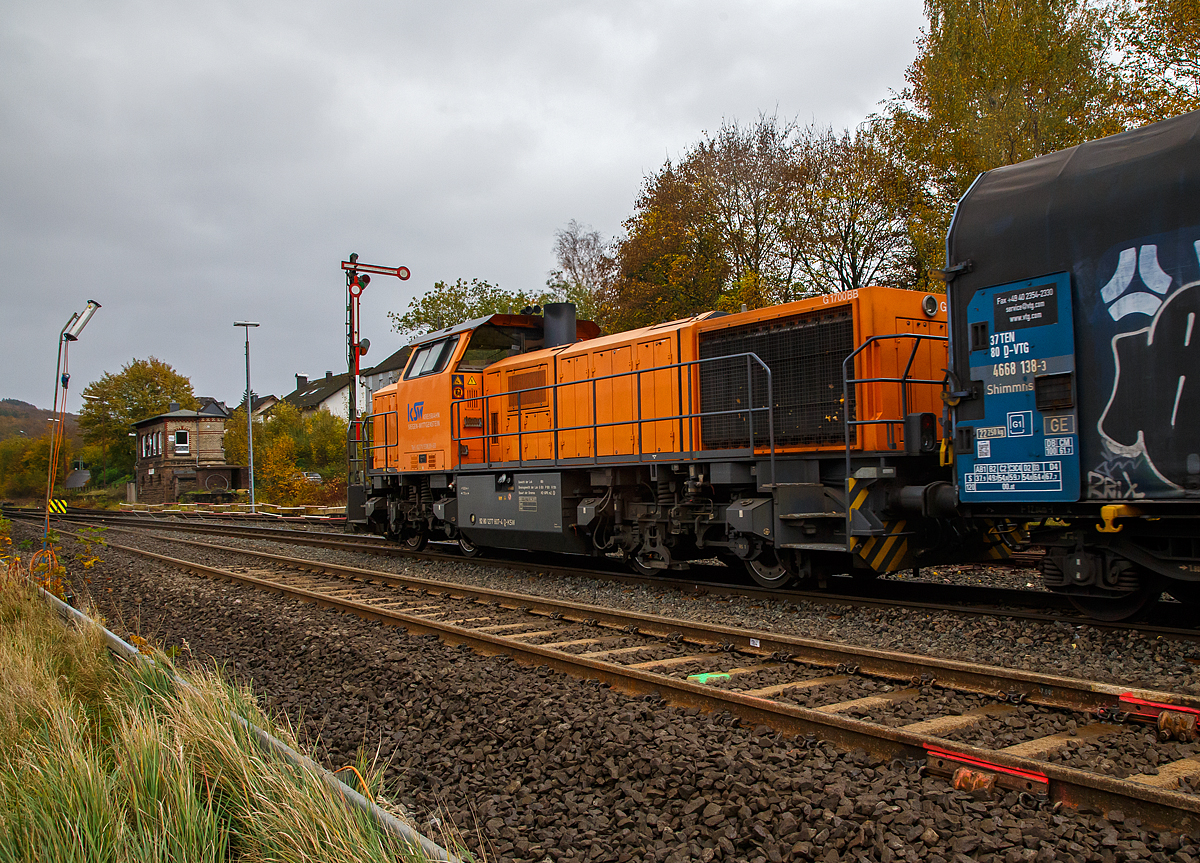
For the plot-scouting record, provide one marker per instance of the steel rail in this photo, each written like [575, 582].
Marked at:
[983, 601]
[989, 601]
[1068, 786]
[1033, 687]
[976, 601]
[198, 515]
[327, 539]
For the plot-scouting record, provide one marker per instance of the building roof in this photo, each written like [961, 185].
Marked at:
[312, 394]
[170, 415]
[259, 403]
[212, 407]
[394, 362]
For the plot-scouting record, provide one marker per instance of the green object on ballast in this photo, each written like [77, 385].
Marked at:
[707, 676]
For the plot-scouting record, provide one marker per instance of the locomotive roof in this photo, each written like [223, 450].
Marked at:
[1062, 211]
[583, 329]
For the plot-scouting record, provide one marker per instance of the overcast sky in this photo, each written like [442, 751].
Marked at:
[192, 164]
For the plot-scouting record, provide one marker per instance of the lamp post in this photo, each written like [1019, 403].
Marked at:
[70, 333]
[249, 410]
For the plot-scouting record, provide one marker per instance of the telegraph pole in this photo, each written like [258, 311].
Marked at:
[249, 410]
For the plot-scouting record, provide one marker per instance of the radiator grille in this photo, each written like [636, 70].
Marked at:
[527, 381]
[805, 356]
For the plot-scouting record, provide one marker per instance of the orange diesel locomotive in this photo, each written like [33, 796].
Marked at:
[798, 439]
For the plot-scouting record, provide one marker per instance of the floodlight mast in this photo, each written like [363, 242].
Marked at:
[249, 411]
[78, 321]
[69, 333]
[357, 278]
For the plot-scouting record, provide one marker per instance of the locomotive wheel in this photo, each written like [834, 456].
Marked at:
[641, 567]
[769, 571]
[1123, 606]
[415, 539]
[468, 548]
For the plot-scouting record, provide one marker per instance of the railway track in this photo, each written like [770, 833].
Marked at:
[1168, 619]
[946, 714]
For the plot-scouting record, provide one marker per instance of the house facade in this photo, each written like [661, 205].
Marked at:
[181, 451]
[330, 393]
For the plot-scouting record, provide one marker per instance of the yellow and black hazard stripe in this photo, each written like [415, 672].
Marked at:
[886, 552]
[995, 533]
[856, 493]
[59, 506]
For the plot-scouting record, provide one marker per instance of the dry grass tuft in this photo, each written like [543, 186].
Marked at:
[100, 762]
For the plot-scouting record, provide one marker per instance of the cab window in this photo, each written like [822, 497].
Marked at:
[490, 343]
[431, 358]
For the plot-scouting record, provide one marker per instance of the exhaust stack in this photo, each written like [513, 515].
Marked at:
[559, 325]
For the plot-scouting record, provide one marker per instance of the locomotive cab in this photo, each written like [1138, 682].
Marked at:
[414, 438]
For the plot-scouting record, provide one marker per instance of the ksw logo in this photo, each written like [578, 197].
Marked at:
[416, 411]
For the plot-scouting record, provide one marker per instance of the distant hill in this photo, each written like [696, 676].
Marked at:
[17, 416]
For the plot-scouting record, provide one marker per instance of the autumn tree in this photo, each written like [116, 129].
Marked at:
[765, 214]
[1159, 58]
[746, 174]
[847, 226]
[287, 443]
[25, 465]
[995, 82]
[446, 305]
[586, 272]
[111, 405]
[670, 263]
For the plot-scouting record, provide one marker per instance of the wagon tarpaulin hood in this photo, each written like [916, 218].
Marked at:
[1121, 216]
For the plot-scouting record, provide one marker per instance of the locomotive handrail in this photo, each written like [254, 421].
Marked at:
[488, 436]
[362, 445]
[904, 381]
[371, 446]
[355, 438]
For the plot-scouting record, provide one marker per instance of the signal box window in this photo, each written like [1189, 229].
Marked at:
[181, 443]
[430, 359]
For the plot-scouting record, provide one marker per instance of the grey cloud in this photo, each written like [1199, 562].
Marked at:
[192, 164]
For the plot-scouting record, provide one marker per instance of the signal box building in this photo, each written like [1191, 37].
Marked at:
[181, 451]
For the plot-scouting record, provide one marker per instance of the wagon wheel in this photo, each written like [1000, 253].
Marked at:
[772, 569]
[642, 567]
[414, 538]
[468, 548]
[1118, 606]
[216, 482]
